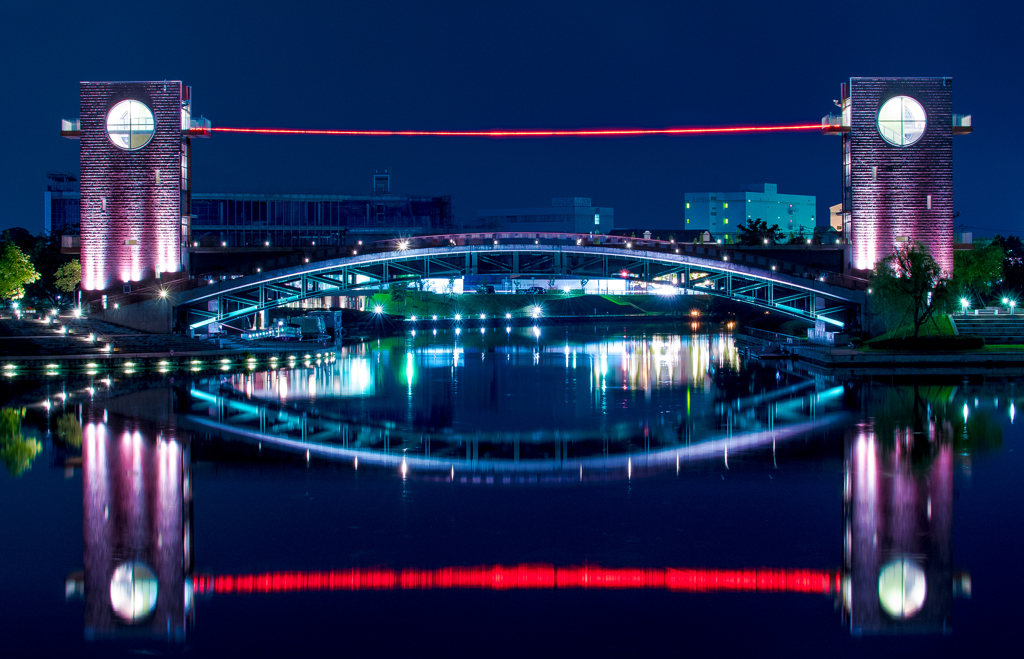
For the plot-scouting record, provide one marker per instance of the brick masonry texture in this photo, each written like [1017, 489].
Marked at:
[896, 203]
[137, 208]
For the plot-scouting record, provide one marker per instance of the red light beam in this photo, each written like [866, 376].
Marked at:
[527, 577]
[584, 132]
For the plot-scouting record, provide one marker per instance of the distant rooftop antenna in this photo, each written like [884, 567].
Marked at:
[382, 183]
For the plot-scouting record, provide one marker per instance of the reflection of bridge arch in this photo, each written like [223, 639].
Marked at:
[330, 440]
[760, 281]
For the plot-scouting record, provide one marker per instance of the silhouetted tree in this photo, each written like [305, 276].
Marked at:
[977, 271]
[797, 238]
[755, 232]
[1013, 263]
[48, 260]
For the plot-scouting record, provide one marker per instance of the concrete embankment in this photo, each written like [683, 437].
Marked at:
[873, 362]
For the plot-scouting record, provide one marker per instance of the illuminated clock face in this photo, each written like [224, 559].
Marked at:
[130, 125]
[901, 121]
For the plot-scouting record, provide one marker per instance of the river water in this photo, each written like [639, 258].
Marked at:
[589, 490]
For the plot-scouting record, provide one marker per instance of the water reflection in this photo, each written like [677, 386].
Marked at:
[897, 574]
[569, 402]
[17, 451]
[898, 501]
[136, 504]
[902, 445]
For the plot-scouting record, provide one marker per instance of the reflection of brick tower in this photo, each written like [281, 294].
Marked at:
[898, 165]
[137, 514]
[897, 564]
[135, 179]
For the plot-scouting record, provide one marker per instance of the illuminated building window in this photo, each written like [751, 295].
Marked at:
[901, 121]
[726, 221]
[130, 125]
[725, 205]
[687, 204]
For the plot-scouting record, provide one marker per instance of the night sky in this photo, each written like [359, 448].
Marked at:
[476, 65]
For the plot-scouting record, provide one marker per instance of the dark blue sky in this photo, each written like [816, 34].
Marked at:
[465, 65]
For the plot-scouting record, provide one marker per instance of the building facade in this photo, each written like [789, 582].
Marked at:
[565, 215]
[722, 213]
[898, 165]
[295, 220]
[135, 156]
[62, 203]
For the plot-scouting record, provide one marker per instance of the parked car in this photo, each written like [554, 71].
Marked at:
[485, 288]
[536, 290]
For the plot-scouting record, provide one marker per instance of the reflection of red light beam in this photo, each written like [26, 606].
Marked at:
[585, 132]
[528, 577]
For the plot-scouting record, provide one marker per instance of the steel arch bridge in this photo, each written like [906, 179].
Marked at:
[356, 270]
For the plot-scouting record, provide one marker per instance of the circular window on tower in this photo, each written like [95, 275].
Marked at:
[130, 125]
[901, 121]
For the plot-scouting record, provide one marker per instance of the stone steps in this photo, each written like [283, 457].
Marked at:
[994, 329]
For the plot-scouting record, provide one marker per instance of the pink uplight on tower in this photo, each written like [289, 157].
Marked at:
[135, 147]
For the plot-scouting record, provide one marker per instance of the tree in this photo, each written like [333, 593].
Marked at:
[755, 232]
[68, 276]
[1013, 262]
[47, 259]
[797, 238]
[16, 451]
[909, 284]
[975, 272]
[16, 271]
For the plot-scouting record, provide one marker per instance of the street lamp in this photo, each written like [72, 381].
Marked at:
[378, 309]
[1013, 303]
[964, 304]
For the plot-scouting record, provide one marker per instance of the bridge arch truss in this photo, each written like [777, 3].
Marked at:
[793, 290]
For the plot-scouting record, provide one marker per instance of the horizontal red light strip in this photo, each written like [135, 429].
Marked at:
[527, 577]
[585, 132]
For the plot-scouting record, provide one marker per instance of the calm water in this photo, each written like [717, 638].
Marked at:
[587, 491]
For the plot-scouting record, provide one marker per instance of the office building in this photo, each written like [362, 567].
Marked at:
[62, 203]
[722, 213]
[299, 220]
